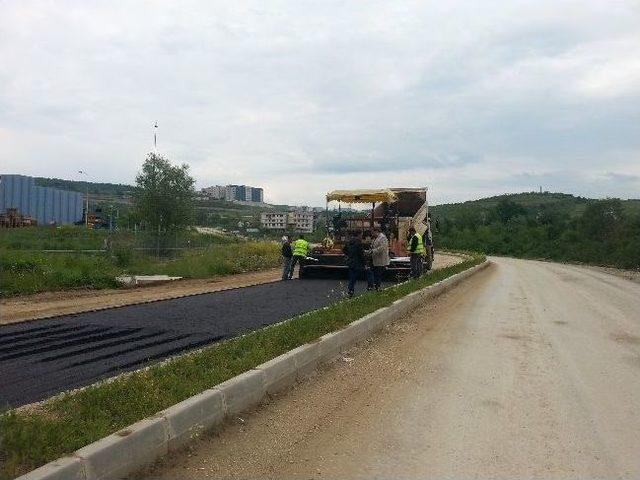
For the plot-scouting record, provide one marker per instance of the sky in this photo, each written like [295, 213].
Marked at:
[471, 99]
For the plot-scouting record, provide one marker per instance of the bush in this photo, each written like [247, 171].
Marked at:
[603, 234]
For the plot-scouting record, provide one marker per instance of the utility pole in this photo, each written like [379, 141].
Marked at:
[86, 210]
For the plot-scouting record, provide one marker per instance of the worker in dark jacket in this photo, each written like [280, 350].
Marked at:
[354, 251]
[287, 257]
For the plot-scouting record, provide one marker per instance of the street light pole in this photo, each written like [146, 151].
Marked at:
[86, 210]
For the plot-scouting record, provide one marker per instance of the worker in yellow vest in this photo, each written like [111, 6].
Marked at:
[300, 251]
[416, 252]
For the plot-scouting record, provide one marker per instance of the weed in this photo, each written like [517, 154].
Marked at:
[25, 268]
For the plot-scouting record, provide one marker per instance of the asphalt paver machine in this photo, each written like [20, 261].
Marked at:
[394, 210]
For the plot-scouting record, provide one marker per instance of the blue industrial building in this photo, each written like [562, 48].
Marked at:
[46, 204]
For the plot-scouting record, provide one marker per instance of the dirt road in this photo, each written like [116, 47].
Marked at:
[528, 370]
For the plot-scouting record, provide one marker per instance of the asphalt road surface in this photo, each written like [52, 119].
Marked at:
[43, 357]
[526, 370]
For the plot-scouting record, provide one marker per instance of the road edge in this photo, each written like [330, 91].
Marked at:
[141, 302]
[143, 443]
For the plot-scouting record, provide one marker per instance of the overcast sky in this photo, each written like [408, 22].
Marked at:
[300, 97]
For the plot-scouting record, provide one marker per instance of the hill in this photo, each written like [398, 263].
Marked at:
[115, 189]
[531, 201]
[99, 193]
[555, 226]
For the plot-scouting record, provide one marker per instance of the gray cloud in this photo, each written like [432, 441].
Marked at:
[301, 97]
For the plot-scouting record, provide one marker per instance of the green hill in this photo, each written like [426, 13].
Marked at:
[555, 226]
[114, 189]
[531, 201]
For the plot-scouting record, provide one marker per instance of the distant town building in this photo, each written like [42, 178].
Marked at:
[44, 204]
[274, 220]
[234, 193]
[303, 221]
[297, 220]
[216, 192]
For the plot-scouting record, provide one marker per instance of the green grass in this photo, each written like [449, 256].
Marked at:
[70, 237]
[223, 260]
[63, 424]
[52, 238]
[25, 270]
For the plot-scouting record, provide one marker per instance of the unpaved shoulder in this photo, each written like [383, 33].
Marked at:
[27, 307]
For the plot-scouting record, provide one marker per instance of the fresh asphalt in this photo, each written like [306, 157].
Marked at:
[41, 358]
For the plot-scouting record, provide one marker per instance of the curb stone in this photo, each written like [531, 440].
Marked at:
[243, 392]
[330, 346]
[126, 451]
[306, 358]
[189, 418]
[144, 442]
[65, 468]
[279, 373]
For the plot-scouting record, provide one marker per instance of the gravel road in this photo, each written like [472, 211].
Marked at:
[526, 370]
[43, 357]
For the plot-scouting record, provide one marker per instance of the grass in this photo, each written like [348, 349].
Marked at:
[70, 237]
[51, 238]
[25, 271]
[65, 423]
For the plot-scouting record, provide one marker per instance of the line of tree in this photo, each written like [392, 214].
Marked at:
[115, 189]
[603, 234]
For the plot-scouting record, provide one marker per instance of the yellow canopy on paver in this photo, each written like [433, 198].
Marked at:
[362, 196]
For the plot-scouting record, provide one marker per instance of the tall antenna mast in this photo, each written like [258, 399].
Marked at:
[155, 138]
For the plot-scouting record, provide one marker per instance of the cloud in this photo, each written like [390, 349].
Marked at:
[471, 98]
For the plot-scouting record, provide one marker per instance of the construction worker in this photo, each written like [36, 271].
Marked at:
[416, 252]
[355, 258]
[379, 256]
[300, 250]
[287, 257]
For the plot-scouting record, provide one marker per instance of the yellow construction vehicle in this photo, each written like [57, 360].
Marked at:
[393, 210]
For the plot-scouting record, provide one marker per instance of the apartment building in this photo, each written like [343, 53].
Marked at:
[234, 193]
[297, 221]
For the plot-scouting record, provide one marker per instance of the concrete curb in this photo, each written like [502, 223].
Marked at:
[144, 442]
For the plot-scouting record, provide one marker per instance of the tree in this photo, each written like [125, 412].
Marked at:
[507, 209]
[164, 194]
[603, 220]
